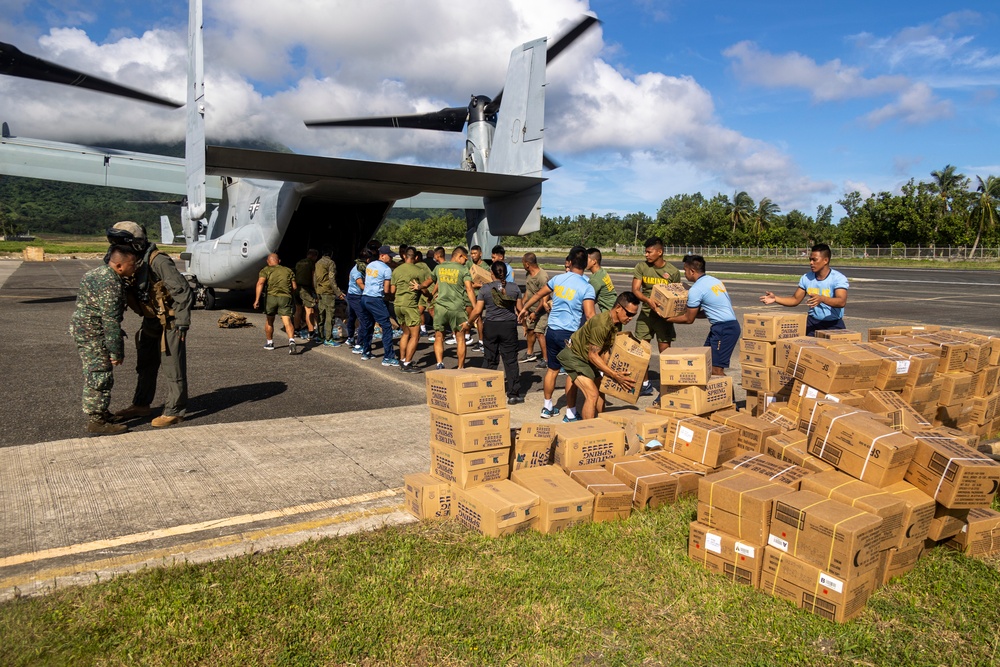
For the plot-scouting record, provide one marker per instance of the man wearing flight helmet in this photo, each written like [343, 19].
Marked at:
[162, 296]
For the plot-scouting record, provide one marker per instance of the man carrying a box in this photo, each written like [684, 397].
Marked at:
[604, 289]
[590, 348]
[827, 290]
[655, 270]
[709, 295]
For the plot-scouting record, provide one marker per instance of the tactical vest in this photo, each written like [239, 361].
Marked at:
[157, 302]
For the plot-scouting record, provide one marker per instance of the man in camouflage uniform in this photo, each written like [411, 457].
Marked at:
[327, 293]
[96, 329]
[162, 296]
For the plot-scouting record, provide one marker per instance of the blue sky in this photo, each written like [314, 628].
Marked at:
[798, 102]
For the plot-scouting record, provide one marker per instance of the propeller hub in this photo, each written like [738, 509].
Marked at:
[479, 110]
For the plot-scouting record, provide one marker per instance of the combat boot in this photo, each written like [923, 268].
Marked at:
[134, 411]
[100, 426]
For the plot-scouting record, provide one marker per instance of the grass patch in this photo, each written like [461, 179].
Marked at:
[70, 247]
[620, 593]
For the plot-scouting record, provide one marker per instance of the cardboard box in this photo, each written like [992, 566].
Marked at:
[980, 536]
[651, 485]
[825, 369]
[753, 430]
[686, 472]
[811, 588]
[756, 352]
[562, 503]
[952, 354]
[901, 561]
[769, 468]
[686, 365]
[802, 392]
[840, 335]
[862, 447]
[944, 433]
[953, 474]
[860, 495]
[985, 381]
[701, 440]
[791, 446]
[947, 523]
[427, 497]
[738, 503]
[579, 444]
[894, 367]
[984, 410]
[924, 397]
[696, 400]
[955, 387]
[773, 380]
[773, 326]
[836, 537]
[612, 497]
[782, 421]
[644, 431]
[760, 402]
[464, 391]
[481, 275]
[533, 446]
[471, 432]
[957, 416]
[496, 508]
[670, 299]
[918, 514]
[726, 555]
[878, 334]
[464, 470]
[892, 405]
[630, 356]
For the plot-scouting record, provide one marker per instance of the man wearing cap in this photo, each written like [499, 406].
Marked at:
[378, 281]
[162, 296]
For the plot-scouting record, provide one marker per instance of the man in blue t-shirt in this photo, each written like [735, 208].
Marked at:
[827, 291]
[378, 278]
[572, 305]
[708, 295]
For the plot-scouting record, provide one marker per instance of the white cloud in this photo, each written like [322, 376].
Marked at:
[915, 106]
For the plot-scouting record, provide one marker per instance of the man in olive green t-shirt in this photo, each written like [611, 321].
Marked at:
[305, 295]
[655, 270]
[453, 285]
[406, 305]
[604, 290]
[280, 281]
[585, 359]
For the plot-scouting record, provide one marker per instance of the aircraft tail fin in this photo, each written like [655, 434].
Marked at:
[166, 232]
[517, 142]
[195, 135]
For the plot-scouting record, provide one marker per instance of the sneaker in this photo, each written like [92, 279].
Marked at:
[332, 343]
[479, 347]
[291, 346]
[567, 419]
[450, 340]
[366, 357]
[468, 338]
[357, 349]
[377, 337]
[528, 358]
[514, 400]
[397, 334]
[646, 390]
[562, 371]
[440, 367]
[542, 364]
[431, 336]
[268, 346]
[549, 414]
[408, 368]
[390, 362]
[423, 330]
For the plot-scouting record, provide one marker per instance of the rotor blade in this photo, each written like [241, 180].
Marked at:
[585, 23]
[15, 62]
[451, 119]
[549, 163]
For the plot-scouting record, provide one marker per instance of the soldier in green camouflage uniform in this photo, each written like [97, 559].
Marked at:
[327, 293]
[96, 329]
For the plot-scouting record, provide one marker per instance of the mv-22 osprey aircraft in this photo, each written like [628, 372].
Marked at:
[287, 203]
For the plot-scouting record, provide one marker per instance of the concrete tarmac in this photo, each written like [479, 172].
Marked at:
[278, 449]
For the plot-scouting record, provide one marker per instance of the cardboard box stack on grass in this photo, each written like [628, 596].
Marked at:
[859, 481]
[763, 374]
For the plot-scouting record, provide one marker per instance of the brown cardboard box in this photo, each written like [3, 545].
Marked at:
[756, 352]
[774, 326]
[783, 422]
[840, 335]
[480, 274]
[630, 356]
[892, 405]
[724, 554]
[612, 497]
[670, 299]
[894, 367]
[924, 397]
[947, 523]
[985, 382]
[738, 503]
[783, 348]
[496, 508]
[980, 536]
[562, 502]
[463, 391]
[686, 365]
[870, 362]
[902, 561]
[990, 344]
[809, 587]
[696, 400]
[791, 446]
[761, 402]
[753, 431]
[918, 514]
[836, 537]
[863, 496]
[686, 472]
[958, 415]
[976, 355]
[471, 432]
[953, 474]
[955, 387]
[701, 440]
[464, 470]
[533, 446]
[772, 379]
[801, 391]
[984, 410]
[952, 354]
[579, 444]
[923, 366]
[644, 431]
[879, 333]
[945, 433]
[825, 369]
[651, 485]
[426, 497]
[769, 468]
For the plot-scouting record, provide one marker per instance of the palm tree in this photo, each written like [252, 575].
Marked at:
[766, 210]
[740, 210]
[946, 182]
[985, 209]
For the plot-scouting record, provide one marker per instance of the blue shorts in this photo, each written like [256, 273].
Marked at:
[813, 325]
[722, 338]
[555, 342]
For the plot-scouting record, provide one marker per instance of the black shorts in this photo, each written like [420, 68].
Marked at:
[722, 338]
[555, 341]
[813, 325]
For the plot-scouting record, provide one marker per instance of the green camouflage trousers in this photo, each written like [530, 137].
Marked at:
[98, 378]
[326, 306]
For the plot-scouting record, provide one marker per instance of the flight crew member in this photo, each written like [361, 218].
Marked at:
[709, 295]
[453, 287]
[655, 270]
[498, 302]
[604, 289]
[378, 279]
[97, 332]
[827, 291]
[327, 293]
[305, 297]
[537, 320]
[586, 357]
[406, 303]
[280, 286]
[572, 305]
[164, 298]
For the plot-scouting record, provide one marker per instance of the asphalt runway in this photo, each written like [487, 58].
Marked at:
[233, 379]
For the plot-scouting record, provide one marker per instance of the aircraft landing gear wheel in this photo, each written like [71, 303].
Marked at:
[209, 298]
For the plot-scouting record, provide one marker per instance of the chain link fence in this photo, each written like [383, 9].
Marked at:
[940, 253]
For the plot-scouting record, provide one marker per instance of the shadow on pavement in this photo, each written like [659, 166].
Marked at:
[227, 397]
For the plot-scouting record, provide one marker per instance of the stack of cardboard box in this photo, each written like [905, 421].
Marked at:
[687, 385]
[763, 368]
